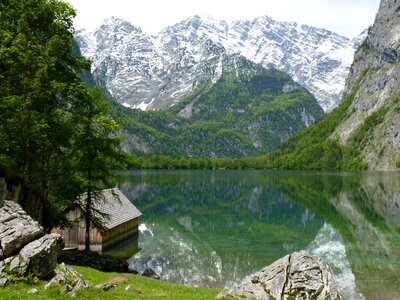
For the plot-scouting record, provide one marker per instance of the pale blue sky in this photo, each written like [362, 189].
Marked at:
[346, 17]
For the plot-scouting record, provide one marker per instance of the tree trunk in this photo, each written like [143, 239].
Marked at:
[88, 211]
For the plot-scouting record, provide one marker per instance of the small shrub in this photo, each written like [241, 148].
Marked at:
[398, 164]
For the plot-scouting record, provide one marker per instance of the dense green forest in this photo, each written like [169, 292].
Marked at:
[245, 113]
[57, 138]
[314, 149]
[310, 149]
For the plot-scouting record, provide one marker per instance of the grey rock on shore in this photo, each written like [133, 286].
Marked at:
[24, 248]
[295, 276]
[17, 229]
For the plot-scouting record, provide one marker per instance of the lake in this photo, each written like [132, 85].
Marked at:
[214, 228]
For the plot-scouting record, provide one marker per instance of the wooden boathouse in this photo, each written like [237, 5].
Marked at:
[114, 219]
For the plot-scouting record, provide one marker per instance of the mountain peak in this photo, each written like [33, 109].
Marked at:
[203, 18]
[197, 26]
[163, 69]
[118, 25]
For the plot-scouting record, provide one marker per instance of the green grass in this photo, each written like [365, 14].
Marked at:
[140, 288]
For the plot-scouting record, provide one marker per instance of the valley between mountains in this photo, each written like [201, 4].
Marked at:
[212, 89]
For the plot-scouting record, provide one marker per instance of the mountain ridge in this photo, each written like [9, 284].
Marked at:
[144, 71]
[249, 110]
[363, 131]
[373, 121]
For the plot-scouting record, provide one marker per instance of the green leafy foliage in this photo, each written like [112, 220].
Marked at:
[96, 148]
[360, 137]
[38, 89]
[312, 148]
[43, 105]
[242, 114]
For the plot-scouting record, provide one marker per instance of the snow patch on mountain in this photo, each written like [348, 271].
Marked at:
[146, 71]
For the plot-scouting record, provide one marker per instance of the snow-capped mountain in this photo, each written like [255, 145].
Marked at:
[144, 71]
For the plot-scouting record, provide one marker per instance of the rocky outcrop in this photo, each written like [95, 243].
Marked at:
[69, 279]
[24, 249]
[38, 257]
[295, 276]
[149, 272]
[106, 286]
[146, 72]
[374, 80]
[17, 229]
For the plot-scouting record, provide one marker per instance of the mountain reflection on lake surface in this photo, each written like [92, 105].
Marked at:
[214, 228]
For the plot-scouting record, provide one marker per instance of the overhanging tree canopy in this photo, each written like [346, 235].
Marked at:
[41, 96]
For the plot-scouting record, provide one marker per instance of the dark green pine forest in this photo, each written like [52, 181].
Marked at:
[243, 114]
[57, 138]
[238, 127]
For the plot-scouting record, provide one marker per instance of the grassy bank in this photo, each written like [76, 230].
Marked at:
[130, 286]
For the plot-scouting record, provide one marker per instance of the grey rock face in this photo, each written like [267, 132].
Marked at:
[3, 282]
[144, 71]
[374, 78]
[149, 272]
[42, 254]
[17, 229]
[295, 276]
[38, 257]
[59, 278]
[23, 246]
[67, 289]
[389, 55]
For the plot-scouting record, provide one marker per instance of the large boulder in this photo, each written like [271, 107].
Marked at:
[38, 257]
[295, 276]
[17, 229]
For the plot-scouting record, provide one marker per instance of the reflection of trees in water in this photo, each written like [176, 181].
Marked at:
[276, 211]
[366, 212]
[239, 216]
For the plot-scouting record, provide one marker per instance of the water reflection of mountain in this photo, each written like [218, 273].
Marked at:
[221, 226]
[215, 227]
[365, 209]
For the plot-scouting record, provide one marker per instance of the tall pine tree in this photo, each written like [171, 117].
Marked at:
[98, 148]
[40, 97]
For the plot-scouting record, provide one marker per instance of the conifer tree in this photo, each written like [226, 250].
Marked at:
[41, 97]
[98, 148]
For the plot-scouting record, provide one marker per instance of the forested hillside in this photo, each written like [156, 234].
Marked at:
[363, 132]
[248, 111]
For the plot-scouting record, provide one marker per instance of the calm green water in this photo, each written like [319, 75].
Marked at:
[214, 228]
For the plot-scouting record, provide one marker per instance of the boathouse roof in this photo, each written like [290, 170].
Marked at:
[111, 208]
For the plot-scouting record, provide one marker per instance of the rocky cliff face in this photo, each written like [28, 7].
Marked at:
[144, 71]
[373, 122]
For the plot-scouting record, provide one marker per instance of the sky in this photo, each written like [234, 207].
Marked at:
[346, 17]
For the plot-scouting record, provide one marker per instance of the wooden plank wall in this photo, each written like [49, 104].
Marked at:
[74, 237]
[119, 233]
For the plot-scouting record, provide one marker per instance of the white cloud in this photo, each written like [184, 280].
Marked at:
[342, 16]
